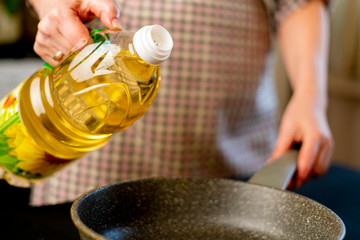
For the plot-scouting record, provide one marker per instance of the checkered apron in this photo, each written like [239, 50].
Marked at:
[215, 112]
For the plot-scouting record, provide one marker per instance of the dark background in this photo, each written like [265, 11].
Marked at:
[22, 46]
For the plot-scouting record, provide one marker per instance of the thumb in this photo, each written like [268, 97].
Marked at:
[283, 144]
[106, 10]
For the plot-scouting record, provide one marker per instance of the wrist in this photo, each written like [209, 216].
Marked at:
[311, 96]
[310, 85]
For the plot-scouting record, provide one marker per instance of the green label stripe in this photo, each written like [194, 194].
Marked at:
[14, 118]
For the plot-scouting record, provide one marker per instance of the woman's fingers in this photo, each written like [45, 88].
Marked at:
[61, 27]
[47, 49]
[106, 10]
[314, 157]
[307, 157]
[323, 159]
[57, 32]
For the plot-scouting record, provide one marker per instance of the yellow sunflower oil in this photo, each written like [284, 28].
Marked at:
[58, 115]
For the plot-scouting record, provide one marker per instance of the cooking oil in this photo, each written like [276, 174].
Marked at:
[58, 115]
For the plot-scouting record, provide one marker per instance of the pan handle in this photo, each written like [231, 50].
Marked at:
[278, 173]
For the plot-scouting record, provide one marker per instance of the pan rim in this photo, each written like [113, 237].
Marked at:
[77, 220]
[95, 235]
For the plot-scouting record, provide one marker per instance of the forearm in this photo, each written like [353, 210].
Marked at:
[303, 39]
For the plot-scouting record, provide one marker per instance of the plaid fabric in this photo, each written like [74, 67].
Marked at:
[215, 110]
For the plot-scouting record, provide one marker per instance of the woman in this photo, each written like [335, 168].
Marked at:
[215, 113]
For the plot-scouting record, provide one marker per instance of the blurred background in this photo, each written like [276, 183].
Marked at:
[17, 33]
[17, 30]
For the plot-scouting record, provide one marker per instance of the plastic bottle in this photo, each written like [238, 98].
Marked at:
[58, 115]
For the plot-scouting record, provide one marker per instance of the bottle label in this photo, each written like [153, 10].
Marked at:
[19, 154]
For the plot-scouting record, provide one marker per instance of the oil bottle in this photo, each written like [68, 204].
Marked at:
[58, 115]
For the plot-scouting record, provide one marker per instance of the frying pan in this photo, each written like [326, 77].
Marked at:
[206, 208]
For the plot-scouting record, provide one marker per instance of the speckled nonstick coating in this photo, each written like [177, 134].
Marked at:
[201, 208]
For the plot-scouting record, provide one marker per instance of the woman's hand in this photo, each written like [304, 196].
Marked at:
[61, 25]
[305, 122]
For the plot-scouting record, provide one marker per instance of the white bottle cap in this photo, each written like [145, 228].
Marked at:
[153, 44]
